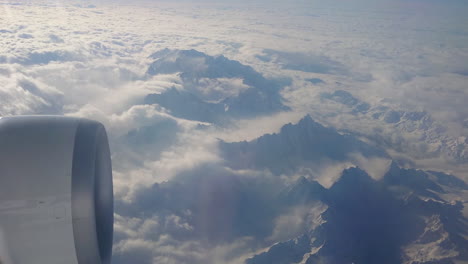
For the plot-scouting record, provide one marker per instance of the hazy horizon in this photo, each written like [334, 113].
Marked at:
[259, 131]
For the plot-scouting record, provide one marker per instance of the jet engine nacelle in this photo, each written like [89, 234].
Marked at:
[56, 196]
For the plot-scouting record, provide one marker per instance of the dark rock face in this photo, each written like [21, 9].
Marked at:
[346, 98]
[295, 146]
[315, 81]
[261, 97]
[186, 105]
[363, 221]
[303, 192]
[412, 124]
[370, 221]
[404, 218]
[193, 65]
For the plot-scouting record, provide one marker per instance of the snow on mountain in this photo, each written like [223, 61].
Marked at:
[418, 127]
[346, 98]
[186, 105]
[409, 216]
[385, 221]
[432, 246]
[236, 90]
[291, 251]
[301, 145]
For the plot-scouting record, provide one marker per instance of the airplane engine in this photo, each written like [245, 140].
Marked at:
[56, 194]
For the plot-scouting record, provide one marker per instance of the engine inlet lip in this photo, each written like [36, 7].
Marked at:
[92, 194]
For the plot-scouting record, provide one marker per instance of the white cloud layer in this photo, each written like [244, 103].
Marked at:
[403, 61]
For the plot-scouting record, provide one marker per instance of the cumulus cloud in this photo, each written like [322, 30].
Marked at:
[23, 95]
[161, 164]
[209, 210]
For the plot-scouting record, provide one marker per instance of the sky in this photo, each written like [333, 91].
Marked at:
[184, 87]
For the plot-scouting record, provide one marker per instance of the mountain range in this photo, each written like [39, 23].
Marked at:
[259, 96]
[398, 219]
[300, 145]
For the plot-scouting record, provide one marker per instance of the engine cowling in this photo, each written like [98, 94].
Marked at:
[56, 195]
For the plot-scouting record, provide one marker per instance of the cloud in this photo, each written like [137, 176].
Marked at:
[376, 167]
[175, 200]
[239, 91]
[24, 95]
[189, 151]
[167, 250]
[219, 89]
[306, 144]
[411, 130]
[47, 57]
[386, 217]
[250, 129]
[204, 215]
[297, 220]
[302, 62]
